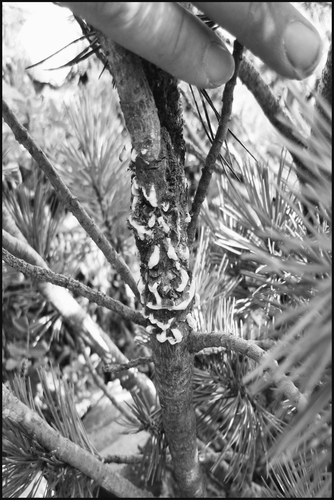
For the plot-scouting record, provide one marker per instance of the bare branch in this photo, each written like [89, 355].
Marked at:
[199, 341]
[135, 94]
[71, 202]
[14, 410]
[216, 145]
[100, 298]
[123, 459]
[113, 368]
[325, 89]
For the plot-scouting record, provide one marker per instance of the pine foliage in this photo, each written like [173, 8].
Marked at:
[26, 462]
[266, 245]
[262, 265]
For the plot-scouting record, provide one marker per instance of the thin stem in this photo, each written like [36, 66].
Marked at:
[123, 459]
[216, 146]
[199, 341]
[71, 202]
[135, 94]
[100, 298]
[115, 368]
[65, 450]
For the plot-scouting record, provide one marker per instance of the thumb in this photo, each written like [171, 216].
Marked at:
[165, 34]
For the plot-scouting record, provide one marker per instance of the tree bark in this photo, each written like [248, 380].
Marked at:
[325, 89]
[159, 218]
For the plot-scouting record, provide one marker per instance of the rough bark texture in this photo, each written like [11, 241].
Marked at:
[136, 99]
[173, 377]
[325, 87]
[159, 219]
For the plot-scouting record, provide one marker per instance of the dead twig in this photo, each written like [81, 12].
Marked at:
[71, 202]
[199, 341]
[116, 368]
[216, 145]
[100, 298]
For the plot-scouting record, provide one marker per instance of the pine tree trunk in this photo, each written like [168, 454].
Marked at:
[159, 218]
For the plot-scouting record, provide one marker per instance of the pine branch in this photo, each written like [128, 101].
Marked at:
[40, 274]
[80, 323]
[113, 368]
[200, 341]
[160, 170]
[59, 298]
[64, 449]
[100, 383]
[71, 202]
[216, 145]
[123, 459]
[72, 313]
[135, 94]
[325, 90]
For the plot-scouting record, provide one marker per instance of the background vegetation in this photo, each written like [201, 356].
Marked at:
[261, 261]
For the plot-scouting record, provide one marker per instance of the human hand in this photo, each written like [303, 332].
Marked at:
[172, 38]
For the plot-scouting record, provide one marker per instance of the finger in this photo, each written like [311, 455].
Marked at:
[165, 34]
[274, 31]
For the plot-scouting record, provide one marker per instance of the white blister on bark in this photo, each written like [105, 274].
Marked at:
[153, 289]
[165, 206]
[163, 224]
[141, 230]
[135, 187]
[177, 335]
[183, 305]
[184, 253]
[151, 221]
[151, 197]
[154, 257]
[191, 321]
[161, 337]
[184, 280]
[171, 250]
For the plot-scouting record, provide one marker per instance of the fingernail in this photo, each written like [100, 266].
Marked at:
[218, 64]
[303, 47]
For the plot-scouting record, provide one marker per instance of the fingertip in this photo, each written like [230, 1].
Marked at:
[218, 65]
[303, 48]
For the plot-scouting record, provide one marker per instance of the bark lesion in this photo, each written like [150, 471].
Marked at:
[159, 219]
[159, 214]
